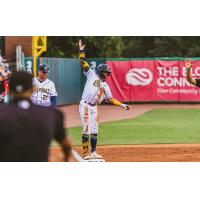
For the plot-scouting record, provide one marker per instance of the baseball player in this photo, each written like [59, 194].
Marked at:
[44, 93]
[96, 90]
[193, 81]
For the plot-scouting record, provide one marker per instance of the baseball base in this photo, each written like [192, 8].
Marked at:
[94, 160]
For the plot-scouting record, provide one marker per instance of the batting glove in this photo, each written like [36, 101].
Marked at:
[125, 106]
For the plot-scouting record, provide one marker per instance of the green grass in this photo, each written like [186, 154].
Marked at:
[154, 127]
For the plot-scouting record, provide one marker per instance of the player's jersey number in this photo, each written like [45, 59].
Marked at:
[45, 97]
[97, 83]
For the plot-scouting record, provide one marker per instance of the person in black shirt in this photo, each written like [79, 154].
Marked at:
[2, 88]
[26, 130]
[193, 81]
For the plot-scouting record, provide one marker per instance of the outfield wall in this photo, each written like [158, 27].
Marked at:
[132, 79]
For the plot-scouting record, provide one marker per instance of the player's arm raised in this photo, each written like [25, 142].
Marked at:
[118, 103]
[188, 65]
[83, 63]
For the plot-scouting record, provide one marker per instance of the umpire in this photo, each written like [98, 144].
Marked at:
[26, 130]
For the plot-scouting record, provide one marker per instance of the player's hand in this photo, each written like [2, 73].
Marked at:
[188, 64]
[125, 106]
[81, 45]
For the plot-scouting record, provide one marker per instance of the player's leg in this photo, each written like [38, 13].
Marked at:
[93, 142]
[84, 114]
[94, 124]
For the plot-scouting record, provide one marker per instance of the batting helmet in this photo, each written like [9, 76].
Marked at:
[44, 68]
[102, 68]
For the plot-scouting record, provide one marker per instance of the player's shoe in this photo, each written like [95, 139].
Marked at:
[95, 155]
[86, 156]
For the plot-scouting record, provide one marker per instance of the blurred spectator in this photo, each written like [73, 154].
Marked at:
[5, 73]
[2, 88]
[2, 61]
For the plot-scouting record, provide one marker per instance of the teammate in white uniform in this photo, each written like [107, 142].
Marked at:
[44, 89]
[96, 90]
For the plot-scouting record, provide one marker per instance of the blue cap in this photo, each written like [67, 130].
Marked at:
[103, 68]
[44, 68]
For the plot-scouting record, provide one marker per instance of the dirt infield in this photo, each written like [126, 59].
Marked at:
[133, 153]
[142, 153]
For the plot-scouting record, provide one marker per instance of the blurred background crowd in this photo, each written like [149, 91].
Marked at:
[5, 73]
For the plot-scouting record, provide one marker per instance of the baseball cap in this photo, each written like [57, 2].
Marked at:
[20, 81]
[44, 68]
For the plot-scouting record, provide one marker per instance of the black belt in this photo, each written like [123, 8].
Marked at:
[90, 103]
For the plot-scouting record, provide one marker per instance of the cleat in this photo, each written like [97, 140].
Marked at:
[86, 156]
[95, 155]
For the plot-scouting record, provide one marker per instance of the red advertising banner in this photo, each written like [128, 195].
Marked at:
[153, 80]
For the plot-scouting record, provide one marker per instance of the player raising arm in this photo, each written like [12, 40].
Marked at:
[103, 71]
[95, 91]
[193, 81]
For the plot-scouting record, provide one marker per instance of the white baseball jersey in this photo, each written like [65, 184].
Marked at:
[95, 90]
[43, 92]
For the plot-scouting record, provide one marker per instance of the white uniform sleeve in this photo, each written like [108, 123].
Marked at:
[89, 73]
[53, 90]
[108, 93]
